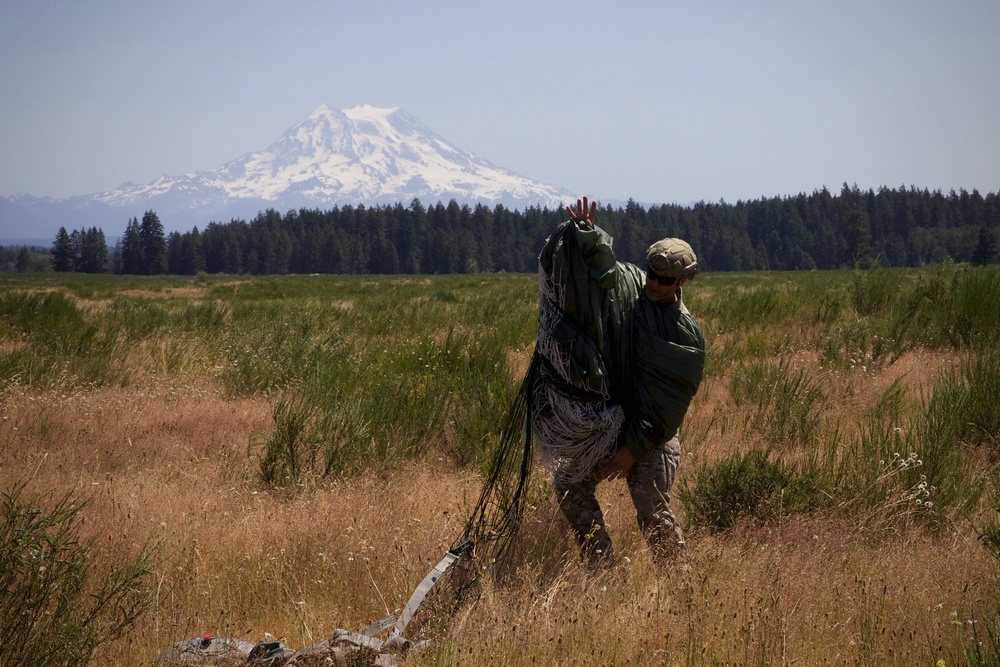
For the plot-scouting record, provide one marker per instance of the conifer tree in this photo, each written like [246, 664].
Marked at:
[62, 253]
[859, 236]
[194, 256]
[154, 245]
[76, 246]
[128, 257]
[175, 252]
[23, 261]
[93, 251]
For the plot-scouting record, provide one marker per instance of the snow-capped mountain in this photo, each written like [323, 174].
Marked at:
[359, 155]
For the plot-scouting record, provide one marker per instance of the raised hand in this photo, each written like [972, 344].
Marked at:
[584, 212]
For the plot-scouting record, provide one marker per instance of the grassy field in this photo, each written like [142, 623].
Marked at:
[290, 455]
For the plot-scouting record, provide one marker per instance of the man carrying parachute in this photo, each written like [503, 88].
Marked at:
[620, 359]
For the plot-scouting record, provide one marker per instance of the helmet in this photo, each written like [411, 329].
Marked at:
[672, 258]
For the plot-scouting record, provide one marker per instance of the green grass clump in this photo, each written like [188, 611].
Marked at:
[57, 342]
[906, 462]
[448, 395]
[751, 300]
[974, 316]
[959, 411]
[873, 291]
[896, 310]
[389, 371]
[782, 404]
[290, 448]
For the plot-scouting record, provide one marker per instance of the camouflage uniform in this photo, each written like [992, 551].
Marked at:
[649, 483]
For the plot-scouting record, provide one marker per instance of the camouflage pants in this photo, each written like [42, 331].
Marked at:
[649, 483]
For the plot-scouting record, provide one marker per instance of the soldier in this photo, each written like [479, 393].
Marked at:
[621, 359]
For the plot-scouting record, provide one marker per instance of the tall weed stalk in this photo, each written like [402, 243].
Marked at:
[879, 478]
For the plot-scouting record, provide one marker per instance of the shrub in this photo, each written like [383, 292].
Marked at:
[748, 485]
[53, 609]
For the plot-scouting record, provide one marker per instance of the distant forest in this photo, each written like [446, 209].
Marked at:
[822, 230]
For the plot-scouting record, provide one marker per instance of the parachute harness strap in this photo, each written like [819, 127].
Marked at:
[421, 592]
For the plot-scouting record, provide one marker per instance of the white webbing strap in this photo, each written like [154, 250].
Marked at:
[380, 625]
[421, 592]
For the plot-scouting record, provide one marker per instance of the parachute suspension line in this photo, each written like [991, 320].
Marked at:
[494, 522]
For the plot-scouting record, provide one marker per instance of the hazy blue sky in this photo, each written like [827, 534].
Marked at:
[661, 100]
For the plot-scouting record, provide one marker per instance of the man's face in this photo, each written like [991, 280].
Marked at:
[660, 293]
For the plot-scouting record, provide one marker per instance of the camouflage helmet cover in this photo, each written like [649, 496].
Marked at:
[672, 258]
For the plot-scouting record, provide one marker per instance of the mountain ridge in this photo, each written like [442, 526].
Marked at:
[361, 155]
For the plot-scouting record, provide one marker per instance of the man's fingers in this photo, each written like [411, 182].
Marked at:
[611, 471]
[585, 210]
[578, 213]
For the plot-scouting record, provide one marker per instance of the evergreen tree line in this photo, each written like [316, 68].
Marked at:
[23, 259]
[82, 251]
[142, 250]
[903, 227]
[894, 227]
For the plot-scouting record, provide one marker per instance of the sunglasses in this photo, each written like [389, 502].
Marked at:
[666, 282]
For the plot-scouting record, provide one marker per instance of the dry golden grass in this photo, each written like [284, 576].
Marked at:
[171, 460]
[191, 293]
[803, 593]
